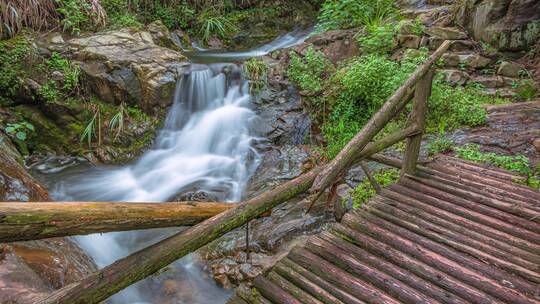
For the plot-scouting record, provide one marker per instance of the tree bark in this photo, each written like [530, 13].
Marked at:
[33, 221]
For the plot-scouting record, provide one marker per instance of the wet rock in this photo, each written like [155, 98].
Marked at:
[489, 81]
[445, 33]
[536, 144]
[510, 129]
[336, 44]
[455, 77]
[278, 165]
[510, 69]
[58, 261]
[409, 41]
[474, 61]
[282, 117]
[19, 283]
[126, 65]
[15, 182]
[509, 25]
[29, 270]
[249, 271]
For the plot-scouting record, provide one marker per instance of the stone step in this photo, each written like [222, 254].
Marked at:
[455, 77]
[470, 60]
[494, 81]
[500, 92]
[457, 45]
[446, 33]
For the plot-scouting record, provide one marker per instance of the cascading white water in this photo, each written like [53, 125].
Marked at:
[205, 144]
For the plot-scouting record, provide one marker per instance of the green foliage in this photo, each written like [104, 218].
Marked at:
[456, 106]
[308, 72]
[69, 70]
[380, 39]
[74, 14]
[49, 92]
[211, 23]
[93, 127]
[526, 89]
[364, 191]
[116, 123]
[519, 163]
[54, 90]
[344, 14]
[257, 72]
[12, 53]
[19, 130]
[360, 88]
[440, 144]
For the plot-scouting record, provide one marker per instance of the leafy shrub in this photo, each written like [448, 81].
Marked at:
[73, 15]
[12, 53]
[380, 39]
[519, 163]
[308, 72]
[526, 89]
[440, 144]
[257, 72]
[211, 23]
[19, 130]
[364, 191]
[456, 106]
[361, 87]
[53, 90]
[343, 14]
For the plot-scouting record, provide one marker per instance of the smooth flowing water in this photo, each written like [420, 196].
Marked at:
[206, 144]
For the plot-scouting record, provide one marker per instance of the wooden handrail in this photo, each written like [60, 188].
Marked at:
[388, 111]
[418, 117]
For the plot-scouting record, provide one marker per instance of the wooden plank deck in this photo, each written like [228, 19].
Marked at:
[456, 232]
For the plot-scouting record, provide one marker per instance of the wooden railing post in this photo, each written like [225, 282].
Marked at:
[418, 117]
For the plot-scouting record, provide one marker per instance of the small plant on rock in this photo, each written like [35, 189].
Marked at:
[257, 72]
[309, 71]
[364, 191]
[19, 130]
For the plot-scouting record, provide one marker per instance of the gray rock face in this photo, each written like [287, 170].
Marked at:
[509, 25]
[126, 65]
[15, 183]
[510, 69]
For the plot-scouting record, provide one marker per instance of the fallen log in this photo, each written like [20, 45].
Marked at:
[33, 221]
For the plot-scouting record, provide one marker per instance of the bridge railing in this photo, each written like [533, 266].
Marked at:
[102, 284]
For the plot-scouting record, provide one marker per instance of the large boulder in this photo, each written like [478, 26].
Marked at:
[30, 270]
[509, 25]
[128, 65]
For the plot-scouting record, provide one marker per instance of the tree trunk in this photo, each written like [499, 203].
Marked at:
[32, 221]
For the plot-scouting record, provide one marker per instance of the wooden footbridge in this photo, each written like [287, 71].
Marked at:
[448, 232]
[453, 233]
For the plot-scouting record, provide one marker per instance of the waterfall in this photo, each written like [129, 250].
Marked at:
[206, 144]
